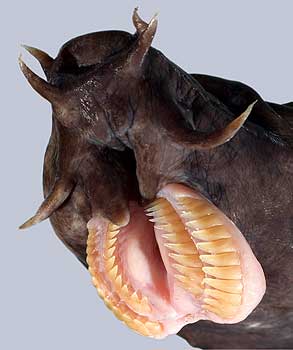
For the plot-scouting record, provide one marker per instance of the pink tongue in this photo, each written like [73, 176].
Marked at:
[196, 266]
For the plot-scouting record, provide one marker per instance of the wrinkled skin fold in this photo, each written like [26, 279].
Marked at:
[154, 172]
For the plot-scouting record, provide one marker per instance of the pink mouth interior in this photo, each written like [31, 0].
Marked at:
[190, 263]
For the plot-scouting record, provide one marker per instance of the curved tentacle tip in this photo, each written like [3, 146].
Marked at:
[32, 50]
[238, 122]
[140, 24]
[20, 61]
[249, 109]
[231, 130]
[29, 223]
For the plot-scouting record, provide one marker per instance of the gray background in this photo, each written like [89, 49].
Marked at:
[47, 301]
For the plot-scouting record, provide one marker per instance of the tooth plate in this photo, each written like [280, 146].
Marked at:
[190, 281]
[231, 309]
[176, 237]
[224, 272]
[195, 212]
[191, 272]
[229, 298]
[181, 248]
[204, 222]
[211, 234]
[219, 246]
[230, 286]
[194, 289]
[191, 260]
[223, 259]
[165, 212]
[158, 204]
[109, 253]
[109, 243]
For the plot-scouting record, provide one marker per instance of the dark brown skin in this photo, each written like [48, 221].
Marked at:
[128, 122]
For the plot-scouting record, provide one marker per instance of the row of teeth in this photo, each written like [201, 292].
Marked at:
[208, 263]
[121, 310]
[134, 299]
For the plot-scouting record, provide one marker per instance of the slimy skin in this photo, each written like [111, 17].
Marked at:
[173, 189]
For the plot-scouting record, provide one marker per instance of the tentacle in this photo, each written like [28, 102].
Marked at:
[139, 24]
[46, 90]
[141, 47]
[55, 199]
[201, 140]
[275, 119]
[44, 59]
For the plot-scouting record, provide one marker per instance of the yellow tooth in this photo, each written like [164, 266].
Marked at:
[181, 248]
[124, 312]
[192, 272]
[190, 281]
[109, 263]
[234, 299]
[113, 227]
[211, 234]
[139, 327]
[117, 313]
[101, 292]
[171, 228]
[134, 297]
[113, 234]
[128, 317]
[113, 272]
[224, 272]
[124, 291]
[229, 309]
[220, 312]
[156, 204]
[230, 286]
[109, 253]
[205, 222]
[164, 212]
[154, 328]
[224, 259]
[110, 243]
[118, 282]
[181, 237]
[195, 212]
[220, 246]
[140, 306]
[172, 220]
[187, 260]
[194, 289]
[145, 305]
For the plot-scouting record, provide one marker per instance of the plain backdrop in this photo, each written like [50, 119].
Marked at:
[47, 300]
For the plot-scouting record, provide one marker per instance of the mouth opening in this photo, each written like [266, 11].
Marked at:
[179, 260]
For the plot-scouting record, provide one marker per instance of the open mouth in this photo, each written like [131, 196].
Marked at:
[179, 260]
